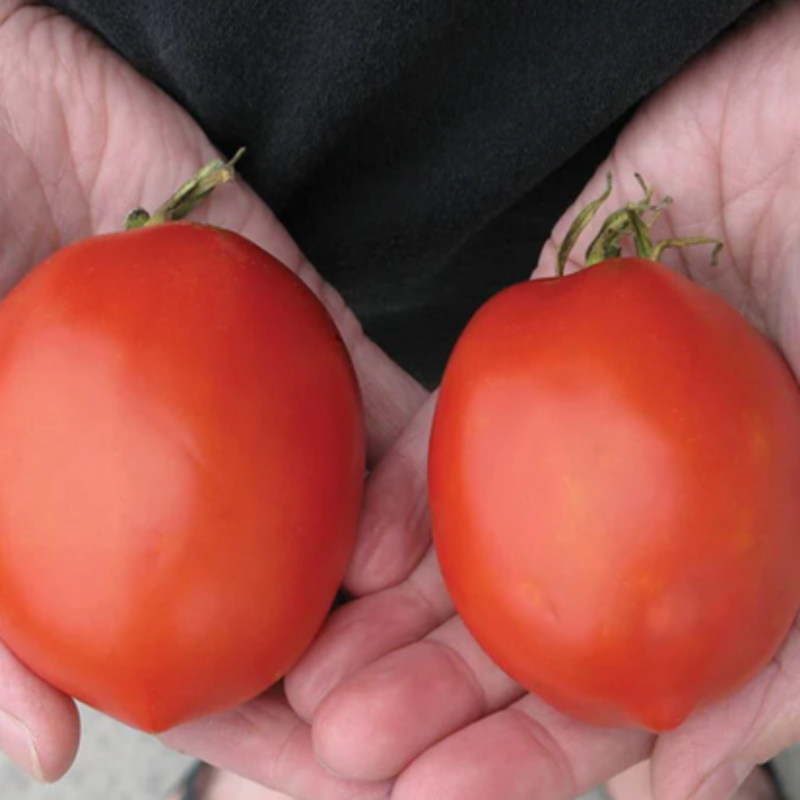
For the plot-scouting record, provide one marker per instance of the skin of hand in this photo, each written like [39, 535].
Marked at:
[395, 686]
[83, 139]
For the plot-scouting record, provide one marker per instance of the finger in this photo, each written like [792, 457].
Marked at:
[39, 727]
[265, 742]
[633, 784]
[391, 398]
[394, 531]
[636, 784]
[717, 748]
[366, 629]
[527, 750]
[376, 723]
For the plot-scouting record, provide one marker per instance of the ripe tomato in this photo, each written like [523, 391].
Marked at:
[613, 484]
[181, 464]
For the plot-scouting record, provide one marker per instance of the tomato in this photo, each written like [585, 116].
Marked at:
[614, 473]
[181, 466]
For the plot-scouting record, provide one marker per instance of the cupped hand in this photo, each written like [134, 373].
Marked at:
[396, 686]
[83, 140]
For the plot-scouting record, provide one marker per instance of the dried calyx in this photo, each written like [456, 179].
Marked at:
[633, 220]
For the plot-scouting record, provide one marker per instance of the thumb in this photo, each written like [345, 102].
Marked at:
[633, 784]
[39, 726]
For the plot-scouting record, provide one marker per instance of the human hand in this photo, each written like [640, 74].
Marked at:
[395, 685]
[83, 139]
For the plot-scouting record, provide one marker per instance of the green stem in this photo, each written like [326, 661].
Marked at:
[577, 227]
[628, 221]
[607, 242]
[661, 246]
[189, 196]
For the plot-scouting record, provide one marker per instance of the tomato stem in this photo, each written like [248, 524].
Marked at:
[664, 244]
[627, 221]
[189, 196]
[579, 225]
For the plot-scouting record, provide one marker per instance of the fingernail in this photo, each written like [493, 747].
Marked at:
[722, 782]
[16, 741]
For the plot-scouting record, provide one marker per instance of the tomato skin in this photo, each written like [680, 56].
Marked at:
[613, 474]
[181, 465]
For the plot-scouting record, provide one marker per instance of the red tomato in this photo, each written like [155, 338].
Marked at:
[614, 487]
[181, 465]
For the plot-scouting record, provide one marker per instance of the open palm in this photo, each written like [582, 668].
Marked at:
[396, 686]
[83, 139]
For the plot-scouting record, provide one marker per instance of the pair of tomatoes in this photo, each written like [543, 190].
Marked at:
[613, 475]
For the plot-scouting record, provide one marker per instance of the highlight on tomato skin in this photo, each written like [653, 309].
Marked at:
[612, 476]
[181, 465]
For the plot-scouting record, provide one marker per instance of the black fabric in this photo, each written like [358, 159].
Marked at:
[418, 150]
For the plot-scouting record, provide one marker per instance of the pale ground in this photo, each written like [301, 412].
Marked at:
[116, 763]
